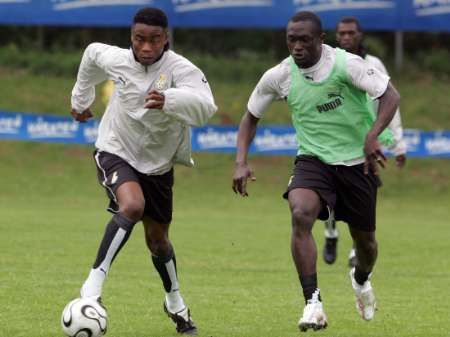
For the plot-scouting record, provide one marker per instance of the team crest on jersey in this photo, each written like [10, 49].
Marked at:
[161, 83]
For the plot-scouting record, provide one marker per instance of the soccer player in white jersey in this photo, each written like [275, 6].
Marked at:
[349, 36]
[145, 130]
[336, 169]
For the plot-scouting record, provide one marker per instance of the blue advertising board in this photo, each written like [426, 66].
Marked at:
[419, 15]
[269, 140]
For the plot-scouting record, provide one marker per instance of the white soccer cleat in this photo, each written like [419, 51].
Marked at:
[313, 315]
[183, 320]
[365, 297]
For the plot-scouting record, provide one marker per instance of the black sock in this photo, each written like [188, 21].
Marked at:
[160, 264]
[117, 221]
[309, 286]
[360, 276]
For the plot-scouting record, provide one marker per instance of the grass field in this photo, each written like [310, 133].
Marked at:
[234, 260]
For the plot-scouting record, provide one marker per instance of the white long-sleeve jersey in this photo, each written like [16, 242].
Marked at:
[395, 125]
[150, 140]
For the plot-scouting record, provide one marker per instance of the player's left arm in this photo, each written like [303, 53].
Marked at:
[399, 146]
[389, 103]
[366, 77]
[190, 100]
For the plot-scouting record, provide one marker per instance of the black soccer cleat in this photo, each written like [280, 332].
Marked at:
[330, 250]
[183, 320]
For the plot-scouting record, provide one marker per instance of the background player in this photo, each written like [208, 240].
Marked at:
[349, 36]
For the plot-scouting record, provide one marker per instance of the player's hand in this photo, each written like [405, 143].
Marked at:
[241, 174]
[400, 160]
[154, 100]
[374, 155]
[81, 117]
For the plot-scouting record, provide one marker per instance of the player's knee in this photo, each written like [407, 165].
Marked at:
[303, 218]
[159, 246]
[372, 247]
[133, 209]
[368, 247]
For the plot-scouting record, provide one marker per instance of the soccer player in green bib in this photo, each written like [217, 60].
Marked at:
[339, 155]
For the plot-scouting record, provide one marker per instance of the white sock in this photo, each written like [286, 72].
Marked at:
[352, 253]
[94, 283]
[174, 301]
[331, 233]
[92, 287]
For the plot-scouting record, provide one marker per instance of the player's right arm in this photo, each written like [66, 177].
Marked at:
[243, 172]
[266, 91]
[91, 72]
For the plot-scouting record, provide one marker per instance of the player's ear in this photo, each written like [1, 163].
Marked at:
[167, 38]
[167, 34]
[361, 35]
[322, 37]
[132, 33]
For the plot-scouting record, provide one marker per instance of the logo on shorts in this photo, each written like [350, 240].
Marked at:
[114, 177]
[290, 180]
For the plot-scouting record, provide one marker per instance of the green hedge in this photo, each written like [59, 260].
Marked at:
[245, 65]
[436, 61]
[40, 62]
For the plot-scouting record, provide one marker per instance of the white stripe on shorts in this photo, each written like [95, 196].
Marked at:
[97, 160]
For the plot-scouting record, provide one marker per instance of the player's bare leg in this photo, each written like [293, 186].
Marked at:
[305, 206]
[163, 257]
[366, 254]
[131, 207]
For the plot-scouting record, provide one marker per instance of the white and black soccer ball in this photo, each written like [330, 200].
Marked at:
[84, 317]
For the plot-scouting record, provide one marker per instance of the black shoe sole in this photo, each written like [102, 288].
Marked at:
[315, 327]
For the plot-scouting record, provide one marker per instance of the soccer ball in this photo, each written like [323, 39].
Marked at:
[84, 317]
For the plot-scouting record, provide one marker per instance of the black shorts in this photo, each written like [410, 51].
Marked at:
[345, 189]
[113, 171]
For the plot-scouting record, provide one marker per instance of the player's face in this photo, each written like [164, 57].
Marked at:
[304, 43]
[348, 36]
[148, 42]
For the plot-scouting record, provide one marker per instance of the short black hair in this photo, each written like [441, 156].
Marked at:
[152, 17]
[308, 16]
[350, 19]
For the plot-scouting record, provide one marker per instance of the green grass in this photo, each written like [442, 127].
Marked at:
[233, 254]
